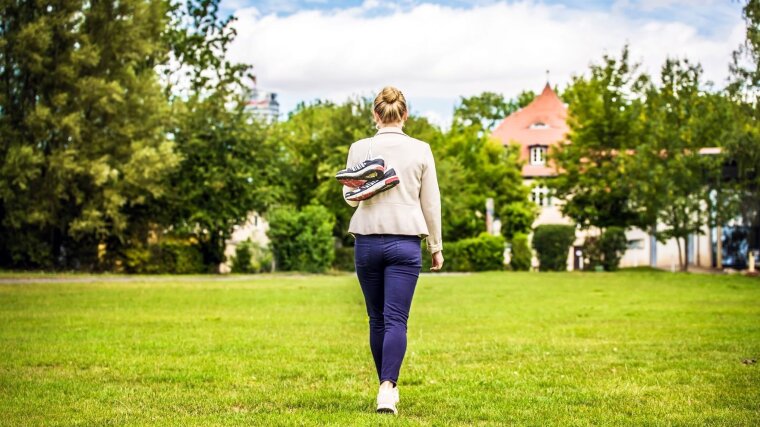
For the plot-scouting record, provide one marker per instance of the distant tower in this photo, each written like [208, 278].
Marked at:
[262, 105]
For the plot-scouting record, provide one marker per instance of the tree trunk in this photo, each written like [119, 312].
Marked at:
[678, 244]
[685, 264]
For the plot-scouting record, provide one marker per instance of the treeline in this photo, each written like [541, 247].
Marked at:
[124, 145]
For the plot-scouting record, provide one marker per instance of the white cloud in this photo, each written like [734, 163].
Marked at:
[437, 53]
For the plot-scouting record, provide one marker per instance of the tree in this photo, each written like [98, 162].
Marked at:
[82, 127]
[605, 120]
[681, 118]
[226, 170]
[487, 109]
[743, 147]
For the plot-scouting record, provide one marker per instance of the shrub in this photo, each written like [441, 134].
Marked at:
[521, 254]
[302, 240]
[552, 242]
[482, 253]
[251, 257]
[169, 256]
[612, 244]
[592, 249]
[606, 250]
[344, 259]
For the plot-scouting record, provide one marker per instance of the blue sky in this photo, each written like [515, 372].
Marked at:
[437, 51]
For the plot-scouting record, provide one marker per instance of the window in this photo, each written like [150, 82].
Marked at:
[539, 125]
[537, 155]
[540, 196]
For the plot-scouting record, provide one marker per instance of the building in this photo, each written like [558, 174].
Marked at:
[542, 124]
[262, 105]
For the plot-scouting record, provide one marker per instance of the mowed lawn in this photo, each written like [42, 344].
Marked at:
[632, 347]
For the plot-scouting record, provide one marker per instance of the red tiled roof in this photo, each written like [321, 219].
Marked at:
[546, 108]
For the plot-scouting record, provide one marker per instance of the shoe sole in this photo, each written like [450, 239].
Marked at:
[387, 185]
[355, 181]
[386, 409]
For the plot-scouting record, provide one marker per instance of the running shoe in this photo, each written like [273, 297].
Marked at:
[387, 400]
[371, 188]
[359, 174]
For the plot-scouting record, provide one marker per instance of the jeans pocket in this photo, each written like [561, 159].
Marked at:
[409, 253]
[361, 254]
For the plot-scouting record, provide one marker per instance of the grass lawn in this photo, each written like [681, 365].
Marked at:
[633, 347]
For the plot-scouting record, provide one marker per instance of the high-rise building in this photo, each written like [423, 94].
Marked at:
[262, 105]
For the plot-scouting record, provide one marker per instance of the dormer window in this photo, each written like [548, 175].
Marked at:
[537, 155]
[539, 125]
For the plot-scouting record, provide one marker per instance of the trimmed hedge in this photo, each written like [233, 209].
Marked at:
[302, 240]
[167, 257]
[482, 253]
[552, 242]
[521, 254]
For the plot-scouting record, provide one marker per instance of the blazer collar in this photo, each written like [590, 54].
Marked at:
[390, 129]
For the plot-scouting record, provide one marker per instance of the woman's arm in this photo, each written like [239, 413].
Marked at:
[349, 162]
[430, 200]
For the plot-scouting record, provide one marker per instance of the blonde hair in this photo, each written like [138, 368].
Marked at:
[390, 105]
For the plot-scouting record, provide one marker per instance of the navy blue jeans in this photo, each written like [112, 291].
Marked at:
[388, 266]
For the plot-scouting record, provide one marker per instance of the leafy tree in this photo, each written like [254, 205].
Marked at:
[83, 146]
[743, 146]
[474, 167]
[487, 109]
[605, 120]
[226, 170]
[681, 118]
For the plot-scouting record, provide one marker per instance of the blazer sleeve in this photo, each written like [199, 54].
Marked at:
[349, 162]
[430, 201]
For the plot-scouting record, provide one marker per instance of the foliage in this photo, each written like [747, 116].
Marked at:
[681, 118]
[473, 167]
[552, 242]
[344, 259]
[743, 145]
[251, 257]
[485, 110]
[301, 240]
[613, 245]
[521, 254]
[605, 120]
[482, 253]
[83, 146]
[166, 257]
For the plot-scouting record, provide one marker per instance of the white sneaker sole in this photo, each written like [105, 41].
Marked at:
[385, 408]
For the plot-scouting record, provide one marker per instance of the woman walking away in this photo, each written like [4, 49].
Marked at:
[397, 205]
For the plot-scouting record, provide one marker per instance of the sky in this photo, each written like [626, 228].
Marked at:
[439, 51]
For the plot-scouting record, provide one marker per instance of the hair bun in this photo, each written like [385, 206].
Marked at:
[391, 95]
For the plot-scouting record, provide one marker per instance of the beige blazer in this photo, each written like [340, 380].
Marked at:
[413, 207]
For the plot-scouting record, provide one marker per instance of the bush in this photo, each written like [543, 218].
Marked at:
[344, 259]
[552, 242]
[302, 240]
[521, 254]
[482, 253]
[251, 257]
[166, 257]
[606, 250]
[612, 244]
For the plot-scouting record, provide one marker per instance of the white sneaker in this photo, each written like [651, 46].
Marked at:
[387, 400]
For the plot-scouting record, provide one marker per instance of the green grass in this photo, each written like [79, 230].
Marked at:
[633, 347]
